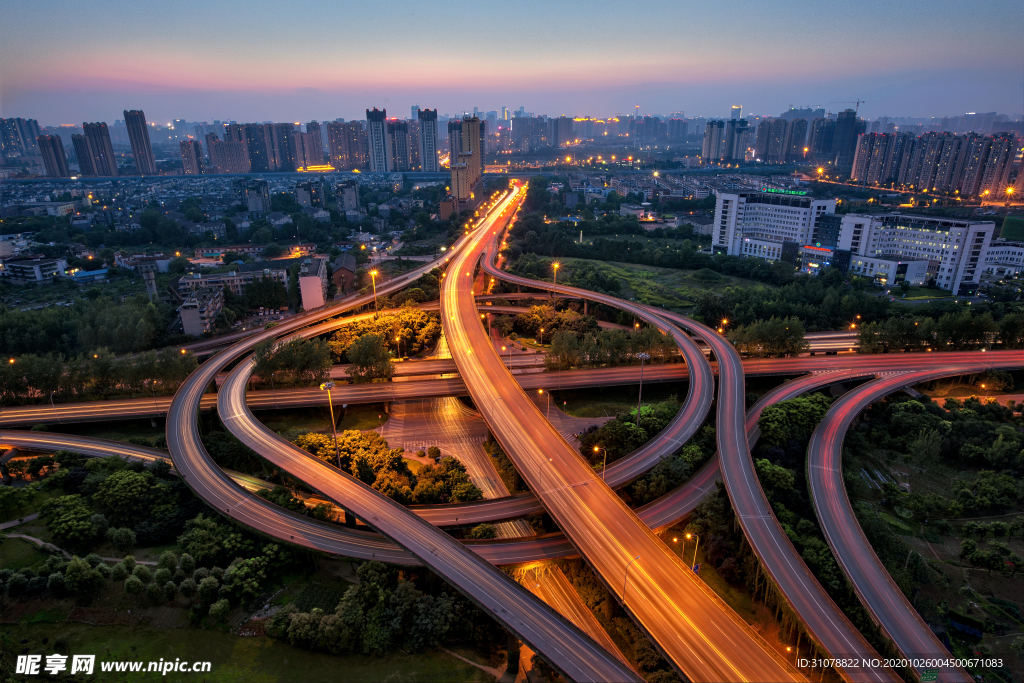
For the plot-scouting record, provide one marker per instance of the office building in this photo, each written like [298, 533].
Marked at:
[954, 249]
[889, 272]
[399, 153]
[713, 134]
[737, 112]
[138, 136]
[377, 140]
[347, 145]
[737, 138]
[428, 139]
[760, 224]
[97, 149]
[191, 157]
[51, 148]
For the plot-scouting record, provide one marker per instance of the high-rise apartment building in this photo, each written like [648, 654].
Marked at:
[138, 136]
[18, 137]
[820, 141]
[347, 193]
[844, 138]
[191, 157]
[677, 129]
[737, 112]
[398, 138]
[712, 147]
[737, 138]
[347, 145]
[258, 147]
[955, 249]
[428, 140]
[776, 132]
[308, 150]
[997, 168]
[99, 150]
[228, 156]
[562, 131]
[759, 224]
[284, 144]
[310, 194]
[796, 138]
[377, 140]
[314, 128]
[51, 148]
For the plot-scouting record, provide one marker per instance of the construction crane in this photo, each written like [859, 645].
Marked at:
[856, 104]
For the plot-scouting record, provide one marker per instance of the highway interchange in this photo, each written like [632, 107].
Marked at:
[699, 635]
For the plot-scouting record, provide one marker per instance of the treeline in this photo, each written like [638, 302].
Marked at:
[609, 348]
[770, 338]
[385, 610]
[367, 457]
[299, 362]
[127, 326]
[963, 330]
[31, 377]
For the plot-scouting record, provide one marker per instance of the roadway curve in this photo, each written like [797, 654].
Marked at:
[826, 624]
[567, 648]
[691, 625]
[879, 594]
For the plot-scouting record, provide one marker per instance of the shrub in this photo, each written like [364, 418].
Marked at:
[143, 572]
[219, 610]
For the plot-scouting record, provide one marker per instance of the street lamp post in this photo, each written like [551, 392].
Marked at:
[604, 468]
[327, 386]
[273, 389]
[625, 576]
[643, 357]
[54, 408]
[373, 277]
[695, 546]
[555, 266]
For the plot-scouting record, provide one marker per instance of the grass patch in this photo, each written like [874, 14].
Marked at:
[668, 287]
[254, 660]
[415, 466]
[37, 503]
[609, 401]
[362, 417]
[120, 430]
[323, 595]
[313, 419]
[918, 293]
[17, 553]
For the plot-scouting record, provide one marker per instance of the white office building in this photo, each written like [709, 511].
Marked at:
[889, 271]
[1004, 257]
[758, 223]
[954, 249]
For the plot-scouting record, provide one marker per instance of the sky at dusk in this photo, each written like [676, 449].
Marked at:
[65, 62]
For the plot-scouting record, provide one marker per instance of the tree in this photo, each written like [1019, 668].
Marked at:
[483, 531]
[123, 539]
[170, 590]
[69, 520]
[219, 610]
[208, 589]
[370, 359]
[155, 593]
[794, 419]
[133, 585]
[188, 588]
[83, 580]
[774, 478]
[143, 573]
[128, 497]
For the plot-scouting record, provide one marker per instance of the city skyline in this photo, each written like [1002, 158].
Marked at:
[691, 59]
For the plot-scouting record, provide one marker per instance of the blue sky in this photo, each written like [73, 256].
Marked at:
[66, 62]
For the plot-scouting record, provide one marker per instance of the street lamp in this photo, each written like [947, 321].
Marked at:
[556, 265]
[625, 576]
[643, 357]
[55, 407]
[541, 392]
[695, 546]
[604, 468]
[327, 386]
[373, 277]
